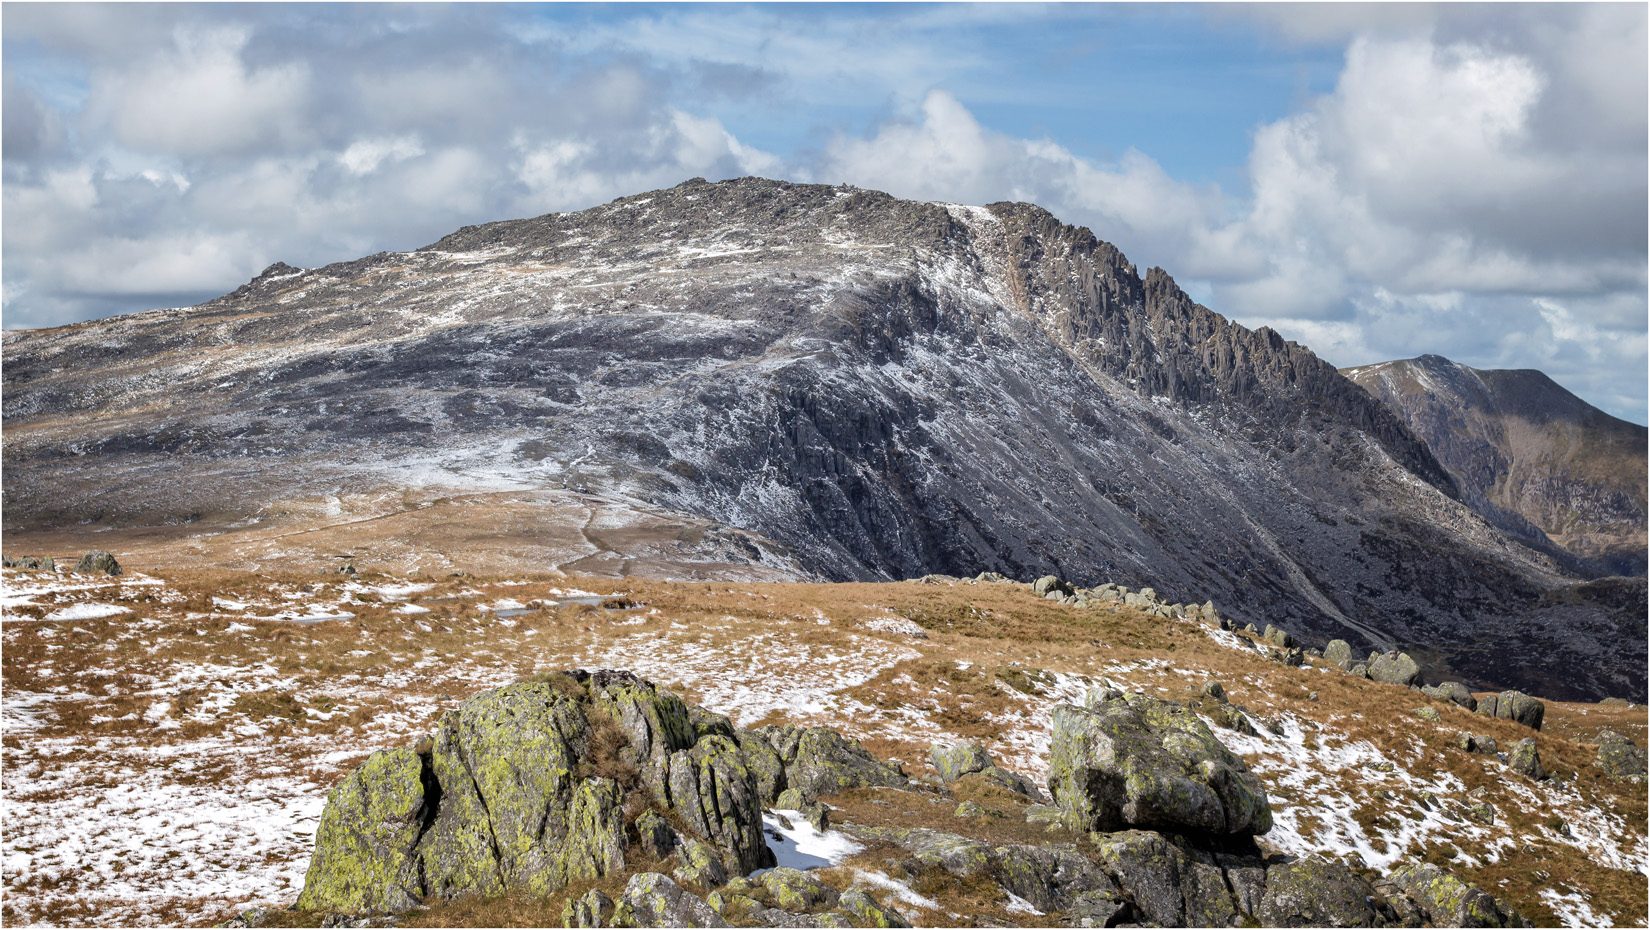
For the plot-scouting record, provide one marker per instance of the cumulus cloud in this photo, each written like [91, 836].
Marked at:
[1473, 183]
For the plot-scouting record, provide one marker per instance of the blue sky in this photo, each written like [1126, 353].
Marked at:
[1376, 181]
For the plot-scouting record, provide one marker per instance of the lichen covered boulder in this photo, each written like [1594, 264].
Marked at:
[97, 562]
[1316, 893]
[1618, 756]
[364, 860]
[1525, 760]
[654, 900]
[1520, 708]
[1454, 692]
[817, 761]
[1447, 901]
[1338, 652]
[1136, 761]
[1394, 668]
[526, 789]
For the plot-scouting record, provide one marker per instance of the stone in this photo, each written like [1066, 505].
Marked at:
[699, 865]
[655, 835]
[1338, 652]
[1452, 691]
[1616, 702]
[971, 809]
[1488, 705]
[1447, 901]
[953, 762]
[364, 847]
[1051, 584]
[1359, 670]
[654, 900]
[1429, 714]
[1483, 812]
[1278, 637]
[1520, 708]
[713, 790]
[1136, 761]
[1618, 756]
[1216, 690]
[1058, 878]
[1169, 885]
[97, 561]
[765, 765]
[1313, 892]
[1485, 744]
[866, 912]
[794, 890]
[1394, 668]
[817, 761]
[1525, 760]
[514, 795]
[594, 909]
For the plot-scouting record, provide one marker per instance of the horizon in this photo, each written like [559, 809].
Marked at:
[1375, 183]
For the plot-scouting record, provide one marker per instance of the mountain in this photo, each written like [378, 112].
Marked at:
[779, 380]
[1530, 456]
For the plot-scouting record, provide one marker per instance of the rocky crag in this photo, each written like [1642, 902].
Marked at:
[555, 783]
[1534, 459]
[811, 381]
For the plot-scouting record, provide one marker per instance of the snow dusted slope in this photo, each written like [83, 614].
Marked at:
[864, 387]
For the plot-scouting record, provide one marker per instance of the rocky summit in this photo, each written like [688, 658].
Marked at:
[763, 380]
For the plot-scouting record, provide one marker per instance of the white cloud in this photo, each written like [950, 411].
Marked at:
[199, 97]
[365, 155]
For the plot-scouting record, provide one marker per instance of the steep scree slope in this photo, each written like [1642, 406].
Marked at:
[1530, 456]
[887, 388]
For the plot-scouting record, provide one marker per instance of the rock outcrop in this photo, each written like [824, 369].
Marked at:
[1394, 668]
[524, 788]
[1134, 761]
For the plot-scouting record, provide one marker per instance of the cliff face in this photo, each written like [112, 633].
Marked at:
[1535, 459]
[875, 388]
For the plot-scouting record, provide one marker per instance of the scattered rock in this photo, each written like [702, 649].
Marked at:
[1429, 714]
[1394, 668]
[953, 762]
[1475, 742]
[1483, 812]
[971, 809]
[1488, 705]
[864, 911]
[817, 761]
[1453, 691]
[1215, 690]
[1316, 893]
[1446, 901]
[1359, 670]
[653, 900]
[97, 561]
[1524, 759]
[1520, 708]
[1278, 637]
[1338, 652]
[1051, 584]
[594, 909]
[1137, 761]
[1618, 756]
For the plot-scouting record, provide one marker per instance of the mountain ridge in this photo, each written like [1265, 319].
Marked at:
[843, 384]
[1532, 457]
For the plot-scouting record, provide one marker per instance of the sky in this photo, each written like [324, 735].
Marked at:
[1375, 181]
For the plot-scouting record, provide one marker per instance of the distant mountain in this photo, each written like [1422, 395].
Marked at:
[1535, 459]
[862, 387]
